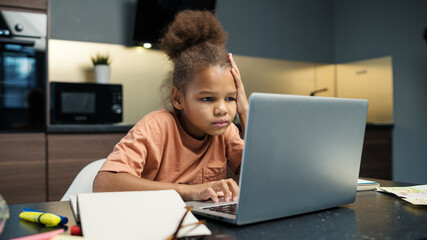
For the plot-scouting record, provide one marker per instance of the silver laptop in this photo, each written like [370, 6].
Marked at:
[301, 154]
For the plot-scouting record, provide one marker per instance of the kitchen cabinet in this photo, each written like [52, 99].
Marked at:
[68, 153]
[377, 152]
[23, 167]
[38, 167]
[370, 79]
[29, 5]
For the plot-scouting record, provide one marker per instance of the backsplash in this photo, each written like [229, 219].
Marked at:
[142, 71]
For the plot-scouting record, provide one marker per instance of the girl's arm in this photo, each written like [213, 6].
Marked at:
[111, 181]
[242, 101]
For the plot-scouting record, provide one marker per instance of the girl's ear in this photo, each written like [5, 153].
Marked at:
[177, 98]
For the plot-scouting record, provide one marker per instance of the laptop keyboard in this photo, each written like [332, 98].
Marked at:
[226, 208]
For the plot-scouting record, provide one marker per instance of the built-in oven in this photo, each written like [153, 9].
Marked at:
[22, 71]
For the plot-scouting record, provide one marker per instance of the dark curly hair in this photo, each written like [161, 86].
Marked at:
[194, 41]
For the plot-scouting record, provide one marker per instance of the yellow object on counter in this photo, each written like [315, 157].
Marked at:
[49, 219]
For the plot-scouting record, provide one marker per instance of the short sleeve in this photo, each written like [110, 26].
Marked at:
[128, 155]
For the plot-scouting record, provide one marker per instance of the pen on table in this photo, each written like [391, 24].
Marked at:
[49, 219]
[64, 220]
[41, 236]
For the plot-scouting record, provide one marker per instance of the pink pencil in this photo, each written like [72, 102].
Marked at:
[41, 236]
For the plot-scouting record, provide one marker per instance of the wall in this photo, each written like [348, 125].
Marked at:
[101, 21]
[141, 72]
[113, 25]
[302, 30]
[369, 29]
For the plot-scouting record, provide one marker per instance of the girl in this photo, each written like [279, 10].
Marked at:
[186, 148]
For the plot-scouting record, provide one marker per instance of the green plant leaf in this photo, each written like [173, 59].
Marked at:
[101, 59]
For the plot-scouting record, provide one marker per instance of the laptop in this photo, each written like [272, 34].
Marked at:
[301, 154]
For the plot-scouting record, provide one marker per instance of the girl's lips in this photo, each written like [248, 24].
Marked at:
[221, 123]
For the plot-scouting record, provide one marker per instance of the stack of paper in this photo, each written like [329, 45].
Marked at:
[416, 195]
[364, 185]
[135, 215]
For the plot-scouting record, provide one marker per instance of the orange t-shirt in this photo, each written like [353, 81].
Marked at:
[157, 148]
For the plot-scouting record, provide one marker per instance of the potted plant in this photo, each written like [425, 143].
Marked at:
[101, 68]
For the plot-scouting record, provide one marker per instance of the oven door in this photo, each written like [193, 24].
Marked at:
[22, 87]
[22, 71]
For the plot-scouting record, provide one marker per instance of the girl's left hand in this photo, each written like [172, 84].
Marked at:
[241, 100]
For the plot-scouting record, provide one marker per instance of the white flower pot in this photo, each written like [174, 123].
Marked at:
[102, 73]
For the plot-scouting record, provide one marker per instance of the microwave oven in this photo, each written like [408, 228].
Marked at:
[85, 103]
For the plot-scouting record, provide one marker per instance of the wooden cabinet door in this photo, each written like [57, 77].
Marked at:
[23, 167]
[35, 5]
[377, 154]
[69, 153]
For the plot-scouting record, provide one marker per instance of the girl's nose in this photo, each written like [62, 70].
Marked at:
[220, 109]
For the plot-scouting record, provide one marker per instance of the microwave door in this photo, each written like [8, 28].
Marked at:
[85, 103]
[78, 107]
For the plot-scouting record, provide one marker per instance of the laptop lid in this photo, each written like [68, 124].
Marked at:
[301, 154]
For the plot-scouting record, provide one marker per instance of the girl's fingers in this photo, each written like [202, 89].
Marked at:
[234, 190]
[235, 71]
[212, 194]
[237, 78]
[233, 63]
[226, 188]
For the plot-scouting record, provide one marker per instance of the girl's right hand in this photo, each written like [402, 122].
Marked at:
[241, 100]
[226, 188]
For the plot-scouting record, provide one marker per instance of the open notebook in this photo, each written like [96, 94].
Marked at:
[134, 215]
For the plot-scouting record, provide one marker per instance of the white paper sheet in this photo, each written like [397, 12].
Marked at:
[73, 203]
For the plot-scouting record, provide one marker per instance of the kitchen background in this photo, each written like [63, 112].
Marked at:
[357, 49]
[288, 46]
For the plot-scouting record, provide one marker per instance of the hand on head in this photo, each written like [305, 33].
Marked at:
[242, 101]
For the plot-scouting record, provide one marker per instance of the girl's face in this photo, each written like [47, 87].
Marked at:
[209, 103]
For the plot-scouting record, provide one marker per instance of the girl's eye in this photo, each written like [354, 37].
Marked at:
[207, 99]
[230, 99]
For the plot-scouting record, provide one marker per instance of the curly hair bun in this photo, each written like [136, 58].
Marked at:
[191, 28]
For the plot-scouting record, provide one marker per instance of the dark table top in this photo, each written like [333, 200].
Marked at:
[373, 215]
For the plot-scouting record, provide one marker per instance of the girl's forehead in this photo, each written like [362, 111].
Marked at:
[213, 75]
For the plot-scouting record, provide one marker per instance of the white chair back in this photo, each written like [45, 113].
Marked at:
[83, 182]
